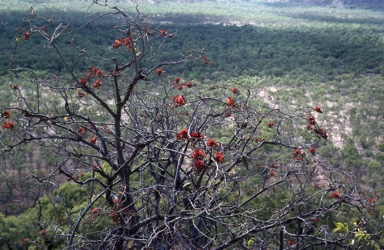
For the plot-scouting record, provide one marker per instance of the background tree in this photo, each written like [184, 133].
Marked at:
[155, 161]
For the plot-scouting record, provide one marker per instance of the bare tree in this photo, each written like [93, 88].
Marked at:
[172, 164]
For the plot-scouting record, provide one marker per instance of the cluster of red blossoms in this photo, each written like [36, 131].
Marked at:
[336, 195]
[7, 124]
[312, 125]
[198, 160]
[120, 42]
[178, 100]
[211, 143]
[219, 157]
[159, 71]
[180, 86]
[91, 72]
[26, 36]
[184, 135]
[82, 130]
[235, 91]
[299, 154]
[230, 102]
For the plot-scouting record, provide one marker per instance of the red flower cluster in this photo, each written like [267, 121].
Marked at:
[198, 160]
[159, 71]
[8, 125]
[372, 200]
[311, 122]
[163, 32]
[212, 143]
[291, 242]
[183, 134]
[199, 165]
[230, 101]
[97, 84]
[6, 114]
[270, 124]
[197, 135]
[26, 36]
[235, 91]
[178, 100]
[180, 86]
[80, 94]
[198, 154]
[82, 81]
[91, 72]
[81, 130]
[219, 157]
[120, 42]
[318, 109]
[93, 140]
[321, 132]
[312, 125]
[313, 151]
[188, 85]
[335, 195]
[299, 154]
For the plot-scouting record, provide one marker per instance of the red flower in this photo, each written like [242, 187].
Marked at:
[230, 101]
[180, 87]
[205, 59]
[25, 240]
[311, 122]
[371, 200]
[200, 135]
[313, 151]
[117, 44]
[299, 154]
[211, 143]
[159, 71]
[291, 242]
[335, 195]
[321, 132]
[80, 94]
[99, 72]
[8, 125]
[318, 109]
[7, 114]
[235, 91]
[82, 81]
[177, 80]
[127, 42]
[198, 154]
[197, 135]
[82, 130]
[95, 210]
[188, 85]
[199, 165]
[271, 173]
[183, 134]
[179, 100]
[219, 157]
[270, 124]
[26, 36]
[97, 84]
[163, 32]
[93, 140]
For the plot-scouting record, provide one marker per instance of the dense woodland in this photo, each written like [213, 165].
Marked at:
[301, 55]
